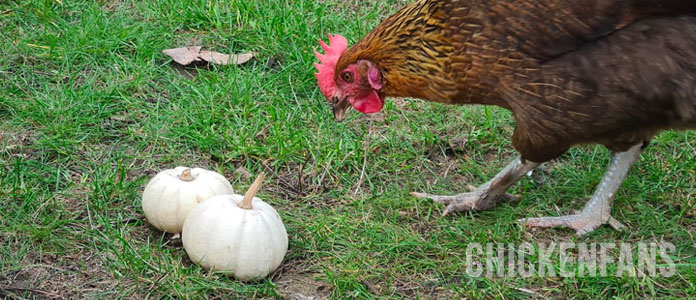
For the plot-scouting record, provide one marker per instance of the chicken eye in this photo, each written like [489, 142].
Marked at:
[347, 77]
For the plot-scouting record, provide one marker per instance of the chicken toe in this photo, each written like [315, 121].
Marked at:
[479, 198]
[486, 195]
[597, 210]
[582, 223]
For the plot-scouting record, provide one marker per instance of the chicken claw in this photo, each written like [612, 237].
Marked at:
[597, 210]
[486, 195]
[581, 223]
[479, 198]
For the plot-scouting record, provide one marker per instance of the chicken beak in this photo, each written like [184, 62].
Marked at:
[339, 107]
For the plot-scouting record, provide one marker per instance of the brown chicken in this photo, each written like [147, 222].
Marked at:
[610, 72]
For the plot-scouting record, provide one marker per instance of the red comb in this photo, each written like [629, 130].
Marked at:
[327, 66]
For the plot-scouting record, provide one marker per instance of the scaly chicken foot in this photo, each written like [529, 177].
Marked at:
[488, 194]
[597, 211]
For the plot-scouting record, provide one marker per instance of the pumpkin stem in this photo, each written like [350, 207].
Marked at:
[253, 189]
[186, 175]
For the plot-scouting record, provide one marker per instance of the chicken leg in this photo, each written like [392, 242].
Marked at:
[486, 195]
[597, 210]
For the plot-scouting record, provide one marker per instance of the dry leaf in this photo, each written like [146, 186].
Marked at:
[188, 55]
[239, 59]
[184, 56]
[214, 57]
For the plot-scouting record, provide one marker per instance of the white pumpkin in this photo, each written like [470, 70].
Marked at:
[235, 234]
[171, 194]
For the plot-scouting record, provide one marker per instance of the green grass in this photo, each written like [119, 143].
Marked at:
[90, 109]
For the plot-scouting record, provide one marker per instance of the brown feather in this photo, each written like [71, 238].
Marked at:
[613, 72]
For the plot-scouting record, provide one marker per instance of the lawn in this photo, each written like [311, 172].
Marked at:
[90, 110]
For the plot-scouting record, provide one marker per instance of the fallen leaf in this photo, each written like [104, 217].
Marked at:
[214, 57]
[184, 56]
[187, 55]
[239, 59]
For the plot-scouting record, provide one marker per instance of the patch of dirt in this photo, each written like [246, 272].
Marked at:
[375, 117]
[16, 143]
[111, 6]
[58, 277]
[297, 286]
[411, 216]
[305, 181]
[296, 280]
[386, 9]
[420, 286]
[401, 103]
[72, 198]
[445, 169]
[438, 156]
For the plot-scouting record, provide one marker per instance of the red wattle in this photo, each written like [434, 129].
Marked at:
[369, 104]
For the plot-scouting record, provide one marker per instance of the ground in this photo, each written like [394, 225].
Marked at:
[90, 109]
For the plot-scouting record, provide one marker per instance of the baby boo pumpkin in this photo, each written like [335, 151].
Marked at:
[239, 234]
